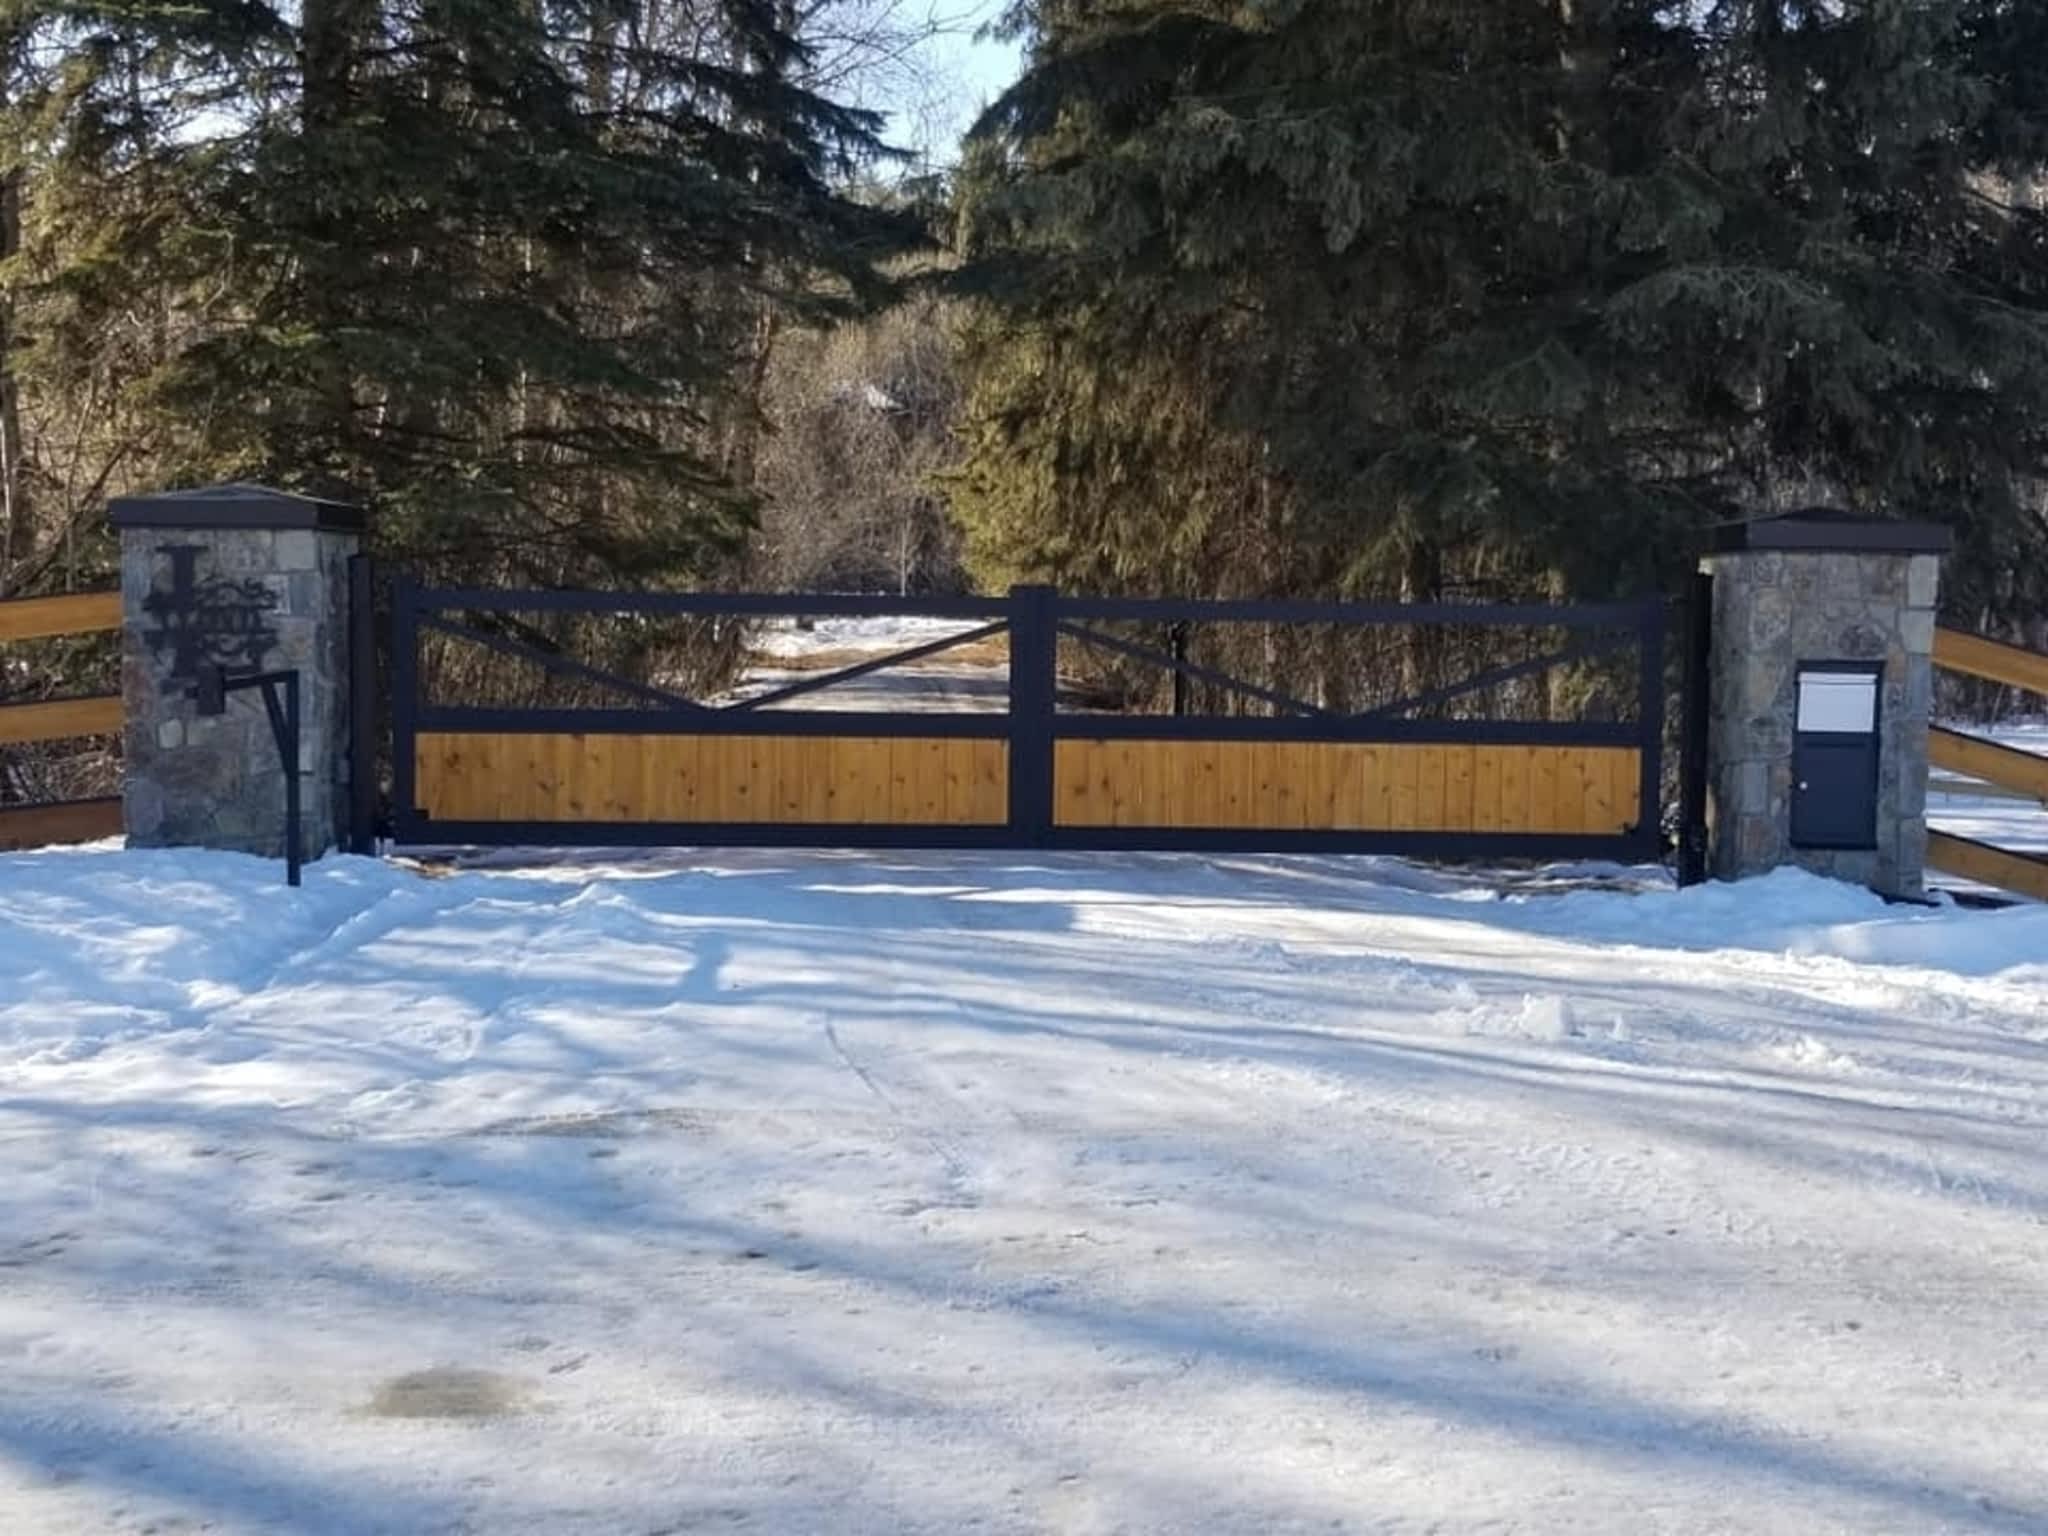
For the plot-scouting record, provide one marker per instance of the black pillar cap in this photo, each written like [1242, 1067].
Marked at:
[1827, 530]
[237, 507]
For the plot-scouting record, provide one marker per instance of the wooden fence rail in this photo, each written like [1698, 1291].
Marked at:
[2006, 769]
[1992, 660]
[64, 821]
[1964, 858]
[39, 618]
[1977, 757]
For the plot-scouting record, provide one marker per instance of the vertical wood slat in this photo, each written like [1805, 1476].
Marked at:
[1271, 779]
[1168, 782]
[1430, 774]
[1458, 786]
[1596, 792]
[991, 783]
[1234, 780]
[1516, 813]
[1627, 793]
[1072, 796]
[1128, 791]
[1407, 788]
[902, 782]
[931, 778]
[794, 786]
[1486, 815]
[1376, 802]
[1545, 805]
[1134, 797]
[872, 798]
[709, 800]
[959, 768]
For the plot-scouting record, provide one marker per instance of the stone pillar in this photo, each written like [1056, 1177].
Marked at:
[1809, 589]
[251, 580]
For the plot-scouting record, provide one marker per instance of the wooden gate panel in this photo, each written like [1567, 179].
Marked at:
[1345, 787]
[553, 777]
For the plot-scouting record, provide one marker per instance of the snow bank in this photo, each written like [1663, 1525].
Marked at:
[98, 943]
[1791, 912]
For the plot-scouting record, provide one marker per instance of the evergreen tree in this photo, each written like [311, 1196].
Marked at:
[1514, 292]
[494, 264]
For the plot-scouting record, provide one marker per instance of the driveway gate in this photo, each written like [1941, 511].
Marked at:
[1262, 769]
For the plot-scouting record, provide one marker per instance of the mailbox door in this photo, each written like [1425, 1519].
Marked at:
[1834, 755]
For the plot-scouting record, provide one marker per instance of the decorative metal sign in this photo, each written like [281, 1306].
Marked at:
[215, 622]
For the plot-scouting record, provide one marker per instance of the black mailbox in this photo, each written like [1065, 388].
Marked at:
[1834, 755]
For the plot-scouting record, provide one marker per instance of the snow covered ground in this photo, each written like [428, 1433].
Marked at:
[944, 1193]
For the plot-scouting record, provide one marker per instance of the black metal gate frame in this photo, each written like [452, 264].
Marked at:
[1035, 617]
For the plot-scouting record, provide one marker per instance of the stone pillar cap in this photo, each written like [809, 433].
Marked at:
[236, 507]
[1827, 530]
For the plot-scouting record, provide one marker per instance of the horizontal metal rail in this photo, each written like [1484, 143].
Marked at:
[994, 724]
[1226, 611]
[1337, 728]
[473, 719]
[421, 831]
[741, 604]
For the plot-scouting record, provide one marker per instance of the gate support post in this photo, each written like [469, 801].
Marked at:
[1695, 715]
[245, 580]
[362, 705]
[1034, 704]
[1822, 647]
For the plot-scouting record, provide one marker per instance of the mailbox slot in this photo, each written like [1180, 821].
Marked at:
[1835, 755]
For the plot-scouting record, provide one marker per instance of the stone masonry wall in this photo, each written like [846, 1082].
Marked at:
[246, 599]
[1772, 611]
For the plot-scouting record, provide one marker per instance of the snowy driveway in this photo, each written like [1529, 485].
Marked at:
[799, 1193]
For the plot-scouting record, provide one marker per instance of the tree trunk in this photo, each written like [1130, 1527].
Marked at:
[1422, 580]
[13, 491]
[329, 37]
[13, 508]
[330, 40]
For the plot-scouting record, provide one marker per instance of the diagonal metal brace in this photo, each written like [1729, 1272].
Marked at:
[863, 669]
[1193, 669]
[564, 665]
[1496, 675]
